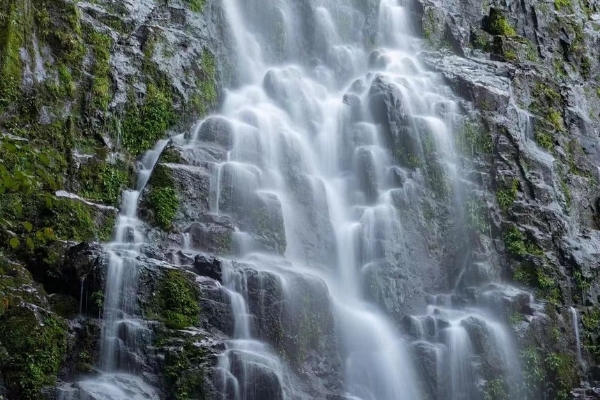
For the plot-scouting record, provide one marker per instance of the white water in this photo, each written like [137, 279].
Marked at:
[575, 316]
[326, 168]
[119, 362]
[329, 174]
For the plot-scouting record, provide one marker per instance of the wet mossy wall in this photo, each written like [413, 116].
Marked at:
[73, 120]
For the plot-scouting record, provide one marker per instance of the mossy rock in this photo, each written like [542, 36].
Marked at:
[175, 302]
[185, 371]
[64, 305]
[496, 23]
[36, 343]
[17, 286]
[162, 200]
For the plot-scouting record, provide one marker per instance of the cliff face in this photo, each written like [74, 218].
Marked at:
[530, 75]
[85, 88]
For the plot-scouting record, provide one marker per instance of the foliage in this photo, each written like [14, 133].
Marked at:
[101, 93]
[196, 5]
[560, 4]
[176, 301]
[590, 319]
[506, 196]
[144, 124]
[495, 389]
[103, 181]
[184, 371]
[36, 349]
[545, 140]
[162, 198]
[473, 139]
[533, 373]
[556, 120]
[497, 24]
[164, 202]
[206, 96]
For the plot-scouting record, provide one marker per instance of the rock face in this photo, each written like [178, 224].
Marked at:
[86, 87]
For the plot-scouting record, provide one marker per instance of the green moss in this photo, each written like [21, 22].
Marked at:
[473, 139]
[556, 119]
[205, 97]
[506, 195]
[35, 347]
[517, 244]
[560, 4]
[495, 389]
[196, 5]
[545, 140]
[510, 55]
[145, 124]
[514, 241]
[11, 41]
[102, 181]
[176, 301]
[162, 198]
[533, 373]
[497, 24]
[164, 202]
[561, 369]
[72, 220]
[101, 86]
[590, 319]
[540, 279]
[184, 372]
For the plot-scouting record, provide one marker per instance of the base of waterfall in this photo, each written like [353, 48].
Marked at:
[108, 387]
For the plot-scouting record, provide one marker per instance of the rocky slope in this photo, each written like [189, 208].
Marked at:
[85, 88]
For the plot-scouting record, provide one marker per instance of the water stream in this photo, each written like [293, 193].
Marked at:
[309, 145]
[317, 171]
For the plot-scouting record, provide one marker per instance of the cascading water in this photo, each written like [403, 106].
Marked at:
[321, 177]
[118, 346]
[307, 145]
[575, 316]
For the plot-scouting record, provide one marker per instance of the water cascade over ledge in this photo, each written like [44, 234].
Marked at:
[320, 157]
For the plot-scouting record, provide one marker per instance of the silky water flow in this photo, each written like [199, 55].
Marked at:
[310, 174]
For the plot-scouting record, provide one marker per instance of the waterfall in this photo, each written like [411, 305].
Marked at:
[575, 316]
[323, 156]
[120, 330]
[307, 144]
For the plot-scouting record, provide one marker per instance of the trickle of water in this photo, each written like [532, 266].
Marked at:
[575, 316]
[118, 344]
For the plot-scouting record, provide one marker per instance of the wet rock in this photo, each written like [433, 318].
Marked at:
[213, 236]
[427, 356]
[388, 108]
[210, 267]
[217, 130]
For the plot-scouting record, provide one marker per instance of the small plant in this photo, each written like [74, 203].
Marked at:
[497, 24]
[560, 4]
[506, 196]
[545, 140]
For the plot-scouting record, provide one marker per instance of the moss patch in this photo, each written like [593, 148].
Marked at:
[206, 96]
[162, 198]
[184, 372]
[36, 347]
[507, 194]
[145, 124]
[176, 300]
[497, 24]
